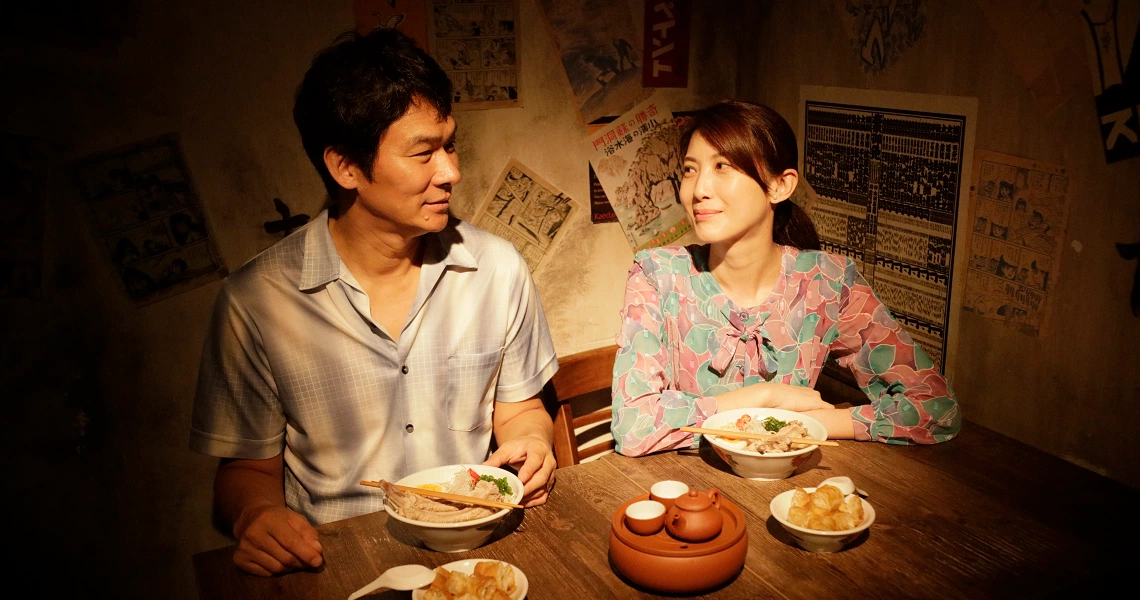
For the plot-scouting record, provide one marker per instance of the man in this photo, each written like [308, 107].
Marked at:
[382, 338]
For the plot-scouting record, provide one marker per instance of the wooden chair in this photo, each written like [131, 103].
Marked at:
[579, 375]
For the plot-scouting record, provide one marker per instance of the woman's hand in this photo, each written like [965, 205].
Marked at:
[793, 397]
[772, 395]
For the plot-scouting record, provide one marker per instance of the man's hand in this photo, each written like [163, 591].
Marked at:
[534, 460]
[273, 539]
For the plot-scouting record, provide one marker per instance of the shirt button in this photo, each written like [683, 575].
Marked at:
[404, 369]
[409, 428]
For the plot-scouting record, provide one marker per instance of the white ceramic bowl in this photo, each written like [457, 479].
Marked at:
[811, 539]
[467, 567]
[753, 465]
[455, 537]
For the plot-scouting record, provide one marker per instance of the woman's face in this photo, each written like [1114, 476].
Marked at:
[723, 204]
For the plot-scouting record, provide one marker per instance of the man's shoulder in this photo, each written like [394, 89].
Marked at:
[278, 264]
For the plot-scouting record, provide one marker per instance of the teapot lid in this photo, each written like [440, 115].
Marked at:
[694, 501]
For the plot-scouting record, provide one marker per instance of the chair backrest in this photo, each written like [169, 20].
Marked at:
[580, 374]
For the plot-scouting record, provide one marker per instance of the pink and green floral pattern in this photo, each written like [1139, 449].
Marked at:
[683, 341]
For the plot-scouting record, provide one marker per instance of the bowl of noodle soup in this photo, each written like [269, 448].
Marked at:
[766, 465]
[456, 528]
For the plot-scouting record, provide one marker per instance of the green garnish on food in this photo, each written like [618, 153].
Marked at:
[772, 424]
[501, 483]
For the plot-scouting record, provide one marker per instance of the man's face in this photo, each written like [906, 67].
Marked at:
[415, 169]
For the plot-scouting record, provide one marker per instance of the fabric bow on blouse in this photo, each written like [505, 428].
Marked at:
[736, 340]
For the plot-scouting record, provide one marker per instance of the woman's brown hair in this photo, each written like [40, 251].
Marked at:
[761, 144]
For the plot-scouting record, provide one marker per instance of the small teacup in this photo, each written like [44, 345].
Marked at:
[645, 517]
[666, 492]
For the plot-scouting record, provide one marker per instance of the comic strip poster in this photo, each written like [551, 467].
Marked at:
[637, 158]
[1019, 211]
[666, 43]
[527, 211]
[145, 213]
[601, 54]
[408, 16]
[881, 30]
[1113, 44]
[477, 44]
[891, 174]
[1042, 45]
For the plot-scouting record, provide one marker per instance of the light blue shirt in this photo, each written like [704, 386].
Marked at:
[295, 363]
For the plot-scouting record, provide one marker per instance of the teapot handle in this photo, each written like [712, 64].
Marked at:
[714, 495]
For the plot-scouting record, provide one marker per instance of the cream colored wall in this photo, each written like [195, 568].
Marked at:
[1073, 392]
[222, 75]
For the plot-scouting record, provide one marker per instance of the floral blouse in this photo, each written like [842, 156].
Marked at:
[683, 341]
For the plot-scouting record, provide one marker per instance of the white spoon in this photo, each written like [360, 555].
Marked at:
[403, 577]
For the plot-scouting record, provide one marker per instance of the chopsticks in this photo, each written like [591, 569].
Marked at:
[447, 496]
[741, 435]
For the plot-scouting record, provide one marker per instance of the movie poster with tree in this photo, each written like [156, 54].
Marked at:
[638, 161]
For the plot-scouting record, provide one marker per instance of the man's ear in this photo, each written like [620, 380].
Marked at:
[783, 185]
[342, 170]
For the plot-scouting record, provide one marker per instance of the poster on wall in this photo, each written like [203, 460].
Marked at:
[1019, 211]
[638, 161]
[145, 213]
[891, 175]
[881, 31]
[600, 209]
[601, 54]
[1113, 44]
[1042, 46]
[408, 16]
[666, 43]
[526, 210]
[478, 45]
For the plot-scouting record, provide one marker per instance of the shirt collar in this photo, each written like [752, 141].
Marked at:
[323, 264]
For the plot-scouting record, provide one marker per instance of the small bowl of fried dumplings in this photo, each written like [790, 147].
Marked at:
[475, 579]
[822, 519]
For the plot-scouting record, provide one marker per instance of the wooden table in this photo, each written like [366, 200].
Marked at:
[981, 516]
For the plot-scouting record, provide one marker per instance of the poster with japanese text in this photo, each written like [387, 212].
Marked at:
[1019, 211]
[477, 44]
[666, 43]
[637, 159]
[891, 173]
[527, 211]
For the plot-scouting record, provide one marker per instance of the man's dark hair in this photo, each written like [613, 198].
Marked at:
[358, 87]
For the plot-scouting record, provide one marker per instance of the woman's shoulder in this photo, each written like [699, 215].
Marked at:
[818, 263]
[666, 259]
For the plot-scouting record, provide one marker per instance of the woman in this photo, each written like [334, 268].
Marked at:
[749, 318]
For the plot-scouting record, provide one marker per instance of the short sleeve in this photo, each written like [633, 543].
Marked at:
[528, 354]
[237, 413]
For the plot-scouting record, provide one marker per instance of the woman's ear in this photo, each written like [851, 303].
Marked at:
[783, 185]
[342, 169]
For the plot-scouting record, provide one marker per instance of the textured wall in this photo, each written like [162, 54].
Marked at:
[1069, 393]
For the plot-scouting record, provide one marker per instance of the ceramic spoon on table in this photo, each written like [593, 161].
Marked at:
[403, 577]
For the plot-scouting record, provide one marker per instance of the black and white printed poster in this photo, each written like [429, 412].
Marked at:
[145, 213]
[891, 172]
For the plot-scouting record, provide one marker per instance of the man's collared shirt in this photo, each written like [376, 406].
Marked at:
[295, 363]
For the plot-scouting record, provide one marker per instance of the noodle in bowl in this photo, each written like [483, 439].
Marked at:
[462, 535]
[766, 466]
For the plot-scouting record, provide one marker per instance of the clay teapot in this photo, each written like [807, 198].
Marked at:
[695, 517]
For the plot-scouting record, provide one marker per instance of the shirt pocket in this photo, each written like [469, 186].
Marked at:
[471, 389]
